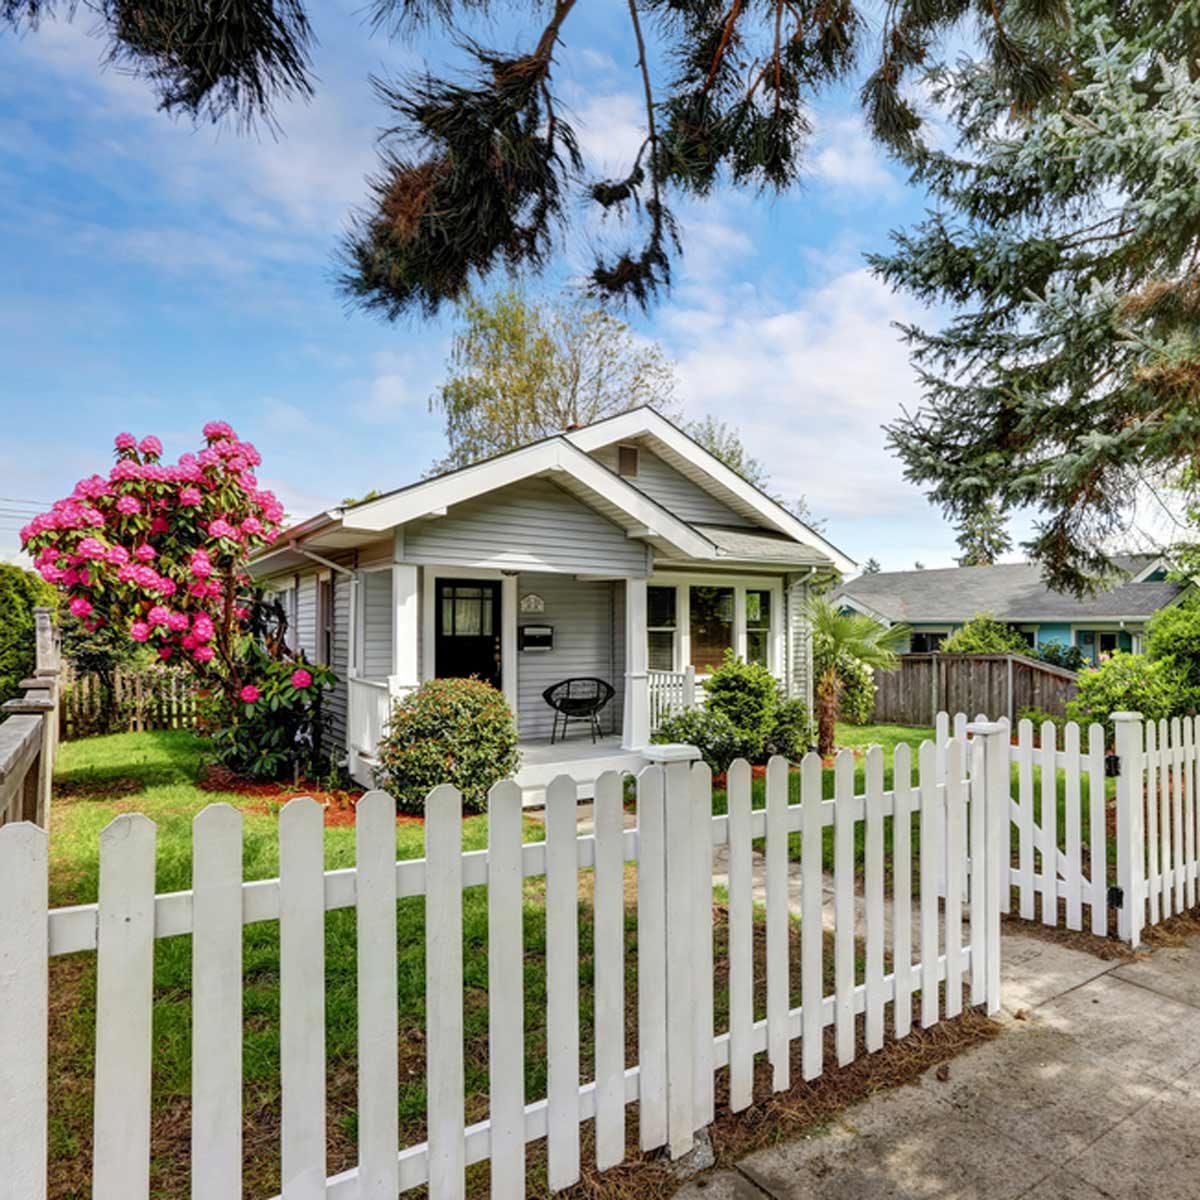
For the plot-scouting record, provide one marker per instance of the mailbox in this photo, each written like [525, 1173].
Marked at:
[536, 638]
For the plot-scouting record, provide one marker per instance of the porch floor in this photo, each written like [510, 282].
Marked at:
[580, 758]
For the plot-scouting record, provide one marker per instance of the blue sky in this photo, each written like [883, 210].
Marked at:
[158, 275]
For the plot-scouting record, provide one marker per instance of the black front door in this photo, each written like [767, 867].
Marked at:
[468, 630]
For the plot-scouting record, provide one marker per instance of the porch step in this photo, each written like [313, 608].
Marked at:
[534, 777]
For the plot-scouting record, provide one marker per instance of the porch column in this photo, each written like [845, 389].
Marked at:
[509, 665]
[405, 674]
[636, 731]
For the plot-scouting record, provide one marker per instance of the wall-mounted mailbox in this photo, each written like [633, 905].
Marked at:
[537, 637]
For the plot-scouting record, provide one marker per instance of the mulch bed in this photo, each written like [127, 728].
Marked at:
[338, 802]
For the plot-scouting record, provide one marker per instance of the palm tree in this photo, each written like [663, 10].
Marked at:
[838, 636]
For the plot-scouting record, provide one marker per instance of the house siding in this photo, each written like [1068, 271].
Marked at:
[581, 614]
[336, 701]
[377, 624]
[531, 526]
[306, 614]
[673, 490]
[1054, 633]
[798, 669]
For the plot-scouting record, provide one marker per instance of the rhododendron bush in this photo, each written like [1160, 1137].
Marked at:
[158, 551]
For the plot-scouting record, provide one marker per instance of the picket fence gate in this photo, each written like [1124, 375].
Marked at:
[678, 1048]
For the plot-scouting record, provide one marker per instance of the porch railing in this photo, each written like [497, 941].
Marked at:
[671, 692]
[370, 707]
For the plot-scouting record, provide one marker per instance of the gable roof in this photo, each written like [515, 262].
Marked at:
[1009, 591]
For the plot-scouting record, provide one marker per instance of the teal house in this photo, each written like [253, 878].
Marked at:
[936, 603]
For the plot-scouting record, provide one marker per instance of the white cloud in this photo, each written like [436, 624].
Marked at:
[847, 159]
[611, 129]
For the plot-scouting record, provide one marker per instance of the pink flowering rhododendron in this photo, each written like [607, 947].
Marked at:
[249, 694]
[301, 678]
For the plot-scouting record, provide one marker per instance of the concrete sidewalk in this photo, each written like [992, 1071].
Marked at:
[1095, 1093]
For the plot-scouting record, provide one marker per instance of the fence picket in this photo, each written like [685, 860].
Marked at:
[1189, 809]
[902, 807]
[778, 1050]
[1166, 880]
[217, 1002]
[1098, 830]
[1177, 842]
[812, 934]
[700, 782]
[24, 1011]
[954, 856]
[741, 939]
[562, 983]
[124, 993]
[506, 986]
[1049, 824]
[1072, 881]
[932, 853]
[843, 905]
[873, 889]
[375, 930]
[680, 1016]
[609, 954]
[1025, 817]
[977, 838]
[652, 960]
[302, 998]
[1153, 875]
[444, 1078]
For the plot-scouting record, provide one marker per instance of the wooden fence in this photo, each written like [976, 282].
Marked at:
[149, 698]
[679, 1048]
[997, 684]
[29, 737]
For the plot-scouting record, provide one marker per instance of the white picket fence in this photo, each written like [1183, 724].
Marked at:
[679, 1050]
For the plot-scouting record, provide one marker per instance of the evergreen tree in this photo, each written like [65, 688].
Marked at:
[871, 567]
[983, 536]
[1065, 236]
[480, 168]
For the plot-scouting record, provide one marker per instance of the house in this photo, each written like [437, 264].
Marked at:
[621, 550]
[936, 603]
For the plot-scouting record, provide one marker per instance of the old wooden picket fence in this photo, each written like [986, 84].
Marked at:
[678, 1048]
[140, 699]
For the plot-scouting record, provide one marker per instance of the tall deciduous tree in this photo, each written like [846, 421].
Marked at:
[1066, 237]
[983, 536]
[522, 368]
[481, 169]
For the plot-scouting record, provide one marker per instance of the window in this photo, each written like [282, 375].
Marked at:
[466, 611]
[627, 460]
[758, 627]
[325, 621]
[925, 643]
[660, 627]
[711, 626]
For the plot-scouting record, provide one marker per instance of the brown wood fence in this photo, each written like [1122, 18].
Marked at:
[150, 698]
[995, 685]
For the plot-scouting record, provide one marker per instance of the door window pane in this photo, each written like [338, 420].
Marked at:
[711, 626]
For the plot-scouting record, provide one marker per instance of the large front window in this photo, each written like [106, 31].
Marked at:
[711, 626]
[758, 627]
[660, 627]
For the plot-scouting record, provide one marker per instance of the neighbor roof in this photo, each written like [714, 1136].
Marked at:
[1010, 591]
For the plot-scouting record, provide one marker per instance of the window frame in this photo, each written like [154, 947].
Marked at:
[673, 630]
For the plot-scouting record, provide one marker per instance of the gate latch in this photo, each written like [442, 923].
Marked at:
[1112, 765]
[1116, 897]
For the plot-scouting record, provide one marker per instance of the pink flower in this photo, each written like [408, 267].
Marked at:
[92, 547]
[145, 553]
[252, 525]
[128, 573]
[125, 441]
[177, 622]
[167, 587]
[203, 654]
[150, 446]
[220, 528]
[202, 629]
[241, 613]
[190, 496]
[188, 642]
[128, 505]
[301, 678]
[165, 652]
[250, 693]
[118, 556]
[70, 577]
[80, 607]
[158, 615]
[160, 524]
[139, 631]
[217, 429]
[145, 577]
[201, 567]
[208, 458]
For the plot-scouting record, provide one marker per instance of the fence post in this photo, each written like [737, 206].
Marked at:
[689, 686]
[996, 801]
[48, 665]
[1130, 839]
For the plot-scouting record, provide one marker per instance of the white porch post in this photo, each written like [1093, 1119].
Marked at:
[405, 674]
[509, 602]
[636, 731]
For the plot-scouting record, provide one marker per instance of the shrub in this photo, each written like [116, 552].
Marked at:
[857, 701]
[793, 734]
[1125, 683]
[1173, 634]
[748, 694]
[21, 592]
[458, 731]
[1038, 717]
[712, 733]
[983, 634]
[1059, 654]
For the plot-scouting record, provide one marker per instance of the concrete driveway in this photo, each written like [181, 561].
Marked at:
[1094, 1093]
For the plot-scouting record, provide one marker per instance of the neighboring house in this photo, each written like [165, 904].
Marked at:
[621, 550]
[936, 603]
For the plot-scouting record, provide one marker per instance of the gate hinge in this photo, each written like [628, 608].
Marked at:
[1116, 897]
[1112, 765]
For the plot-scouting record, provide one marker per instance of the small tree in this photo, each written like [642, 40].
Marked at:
[983, 536]
[21, 592]
[983, 634]
[748, 694]
[837, 636]
[871, 567]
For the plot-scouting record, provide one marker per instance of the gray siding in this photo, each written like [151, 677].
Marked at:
[377, 624]
[306, 614]
[798, 644]
[674, 491]
[336, 702]
[582, 615]
[531, 526]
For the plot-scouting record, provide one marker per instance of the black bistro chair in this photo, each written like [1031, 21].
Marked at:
[579, 699]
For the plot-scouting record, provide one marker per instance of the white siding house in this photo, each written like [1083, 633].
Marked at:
[620, 551]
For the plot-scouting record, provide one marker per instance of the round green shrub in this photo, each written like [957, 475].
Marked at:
[458, 731]
[21, 592]
[712, 733]
[1174, 634]
[1125, 683]
[983, 634]
[748, 694]
[793, 735]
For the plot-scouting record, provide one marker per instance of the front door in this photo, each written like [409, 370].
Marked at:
[468, 630]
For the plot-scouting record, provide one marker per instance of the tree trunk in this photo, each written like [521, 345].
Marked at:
[828, 703]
